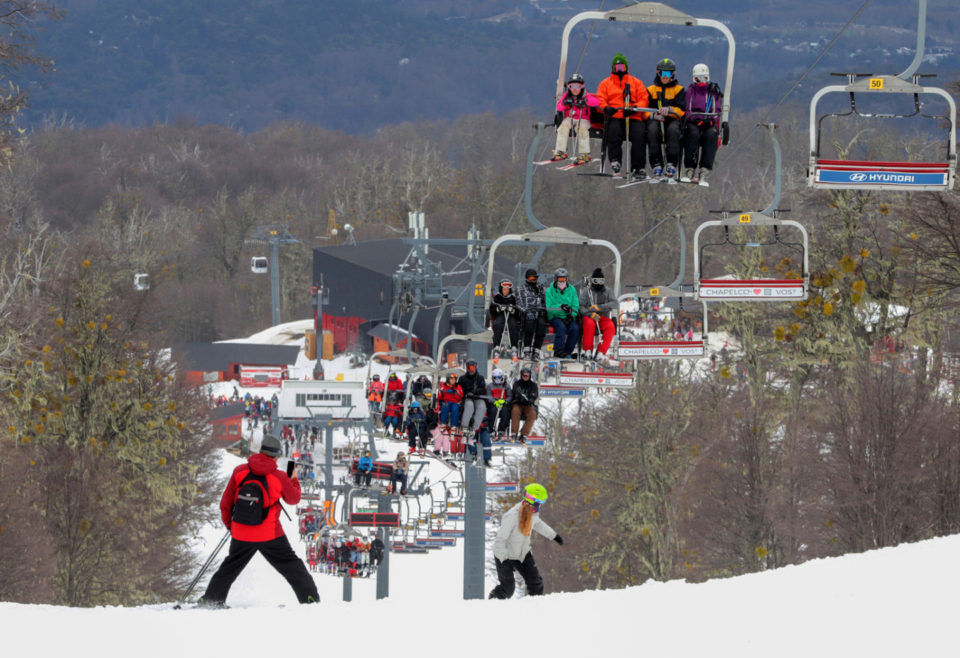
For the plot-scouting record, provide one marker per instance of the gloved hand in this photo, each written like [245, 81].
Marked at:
[568, 101]
[499, 403]
[558, 539]
[557, 119]
[664, 111]
[630, 111]
[609, 110]
[580, 102]
[566, 308]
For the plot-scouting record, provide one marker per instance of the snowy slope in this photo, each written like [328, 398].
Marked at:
[890, 602]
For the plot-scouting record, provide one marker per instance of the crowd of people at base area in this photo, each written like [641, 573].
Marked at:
[299, 442]
[357, 556]
[580, 319]
[673, 124]
[257, 409]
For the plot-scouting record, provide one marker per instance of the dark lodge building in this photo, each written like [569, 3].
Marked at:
[384, 282]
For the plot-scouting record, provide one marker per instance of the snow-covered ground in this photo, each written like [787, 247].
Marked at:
[889, 602]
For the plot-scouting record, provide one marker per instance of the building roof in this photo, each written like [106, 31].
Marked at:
[227, 411]
[384, 256]
[212, 357]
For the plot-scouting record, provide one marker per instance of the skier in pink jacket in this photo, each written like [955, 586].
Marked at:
[573, 112]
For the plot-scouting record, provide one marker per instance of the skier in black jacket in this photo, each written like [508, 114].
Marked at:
[474, 399]
[533, 315]
[525, 394]
[504, 315]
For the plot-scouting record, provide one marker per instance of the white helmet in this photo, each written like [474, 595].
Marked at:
[497, 374]
[701, 73]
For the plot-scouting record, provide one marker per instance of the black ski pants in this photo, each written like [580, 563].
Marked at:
[616, 133]
[280, 556]
[666, 134]
[528, 571]
[696, 138]
[534, 329]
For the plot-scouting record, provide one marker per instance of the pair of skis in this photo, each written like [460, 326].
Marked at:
[563, 167]
[664, 179]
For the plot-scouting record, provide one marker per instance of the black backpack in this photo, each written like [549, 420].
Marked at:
[253, 500]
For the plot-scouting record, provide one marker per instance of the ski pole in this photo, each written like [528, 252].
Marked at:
[203, 569]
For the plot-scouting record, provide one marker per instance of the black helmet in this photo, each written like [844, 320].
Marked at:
[575, 77]
[376, 378]
[666, 65]
[525, 371]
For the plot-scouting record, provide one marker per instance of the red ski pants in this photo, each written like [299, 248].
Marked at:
[607, 330]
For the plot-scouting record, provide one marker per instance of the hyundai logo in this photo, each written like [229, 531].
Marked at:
[858, 178]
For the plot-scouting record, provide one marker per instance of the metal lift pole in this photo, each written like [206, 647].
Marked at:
[475, 530]
[383, 570]
[921, 43]
[275, 281]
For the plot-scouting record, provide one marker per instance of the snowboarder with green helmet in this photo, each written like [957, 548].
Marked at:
[511, 549]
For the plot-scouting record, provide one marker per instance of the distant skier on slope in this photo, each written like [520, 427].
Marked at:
[511, 549]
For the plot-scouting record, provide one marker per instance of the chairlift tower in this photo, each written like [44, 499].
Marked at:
[274, 236]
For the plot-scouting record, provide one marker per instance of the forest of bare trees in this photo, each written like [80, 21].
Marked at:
[832, 428]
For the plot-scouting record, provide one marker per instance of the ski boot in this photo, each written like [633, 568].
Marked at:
[558, 156]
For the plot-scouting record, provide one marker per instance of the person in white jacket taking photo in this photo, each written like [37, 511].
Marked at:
[511, 550]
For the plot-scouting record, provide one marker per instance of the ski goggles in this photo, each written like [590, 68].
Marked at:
[532, 279]
[666, 75]
[561, 279]
[506, 284]
[597, 280]
[575, 86]
[534, 502]
[619, 68]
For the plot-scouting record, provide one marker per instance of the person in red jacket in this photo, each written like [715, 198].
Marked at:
[618, 94]
[267, 538]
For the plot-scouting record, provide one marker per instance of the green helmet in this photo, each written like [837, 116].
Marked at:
[535, 493]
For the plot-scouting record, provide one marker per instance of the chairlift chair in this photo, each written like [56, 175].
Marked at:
[642, 350]
[737, 290]
[882, 175]
[259, 264]
[656, 13]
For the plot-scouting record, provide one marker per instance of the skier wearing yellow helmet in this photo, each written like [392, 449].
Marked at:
[511, 550]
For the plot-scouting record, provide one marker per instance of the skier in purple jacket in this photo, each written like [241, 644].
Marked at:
[701, 124]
